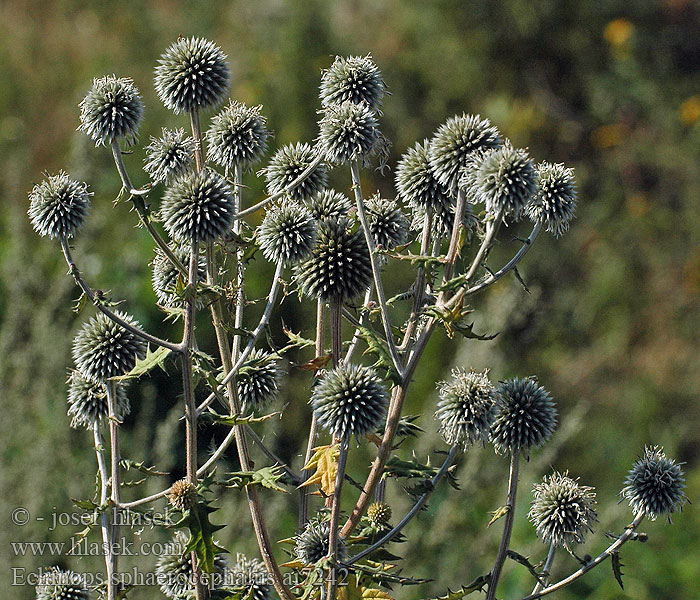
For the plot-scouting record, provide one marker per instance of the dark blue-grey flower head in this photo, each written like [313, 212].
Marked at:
[562, 510]
[58, 206]
[287, 164]
[192, 74]
[504, 179]
[526, 416]
[251, 576]
[466, 408]
[169, 156]
[339, 267]
[287, 233]
[349, 400]
[554, 202]
[237, 136]
[330, 204]
[348, 131]
[112, 110]
[198, 207]
[417, 184]
[258, 381]
[454, 143]
[56, 584]
[312, 543]
[387, 223]
[655, 485]
[87, 401]
[103, 349]
[355, 79]
[174, 570]
[165, 277]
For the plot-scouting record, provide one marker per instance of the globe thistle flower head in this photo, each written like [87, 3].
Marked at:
[355, 79]
[258, 381]
[103, 349]
[169, 156]
[87, 401]
[526, 416]
[504, 179]
[287, 164]
[174, 570]
[237, 136]
[56, 584]
[250, 575]
[111, 111]
[655, 485]
[58, 206]
[554, 202]
[417, 184]
[348, 131]
[379, 514]
[330, 204]
[387, 223]
[349, 400]
[165, 277]
[339, 267]
[182, 495]
[287, 233]
[312, 543]
[192, 74]
[562, 510]
[466, 408]
[454, 143]
[198, 207]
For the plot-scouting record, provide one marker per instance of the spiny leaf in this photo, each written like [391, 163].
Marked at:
[201, 540]
[617, 568]
[316, 364]
[502, 511]
[377, 346]
[129, 464]
[233, 420]
[373, 594]
[266, 477]
[519, 558]
[147, 364]
[476, 585]
[85, 504]
[325, 463]
[420, 259]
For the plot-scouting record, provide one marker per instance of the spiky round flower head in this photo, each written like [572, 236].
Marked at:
[339, 267]
[353, 79]
[330, 204]
[466, 408]
[87, 401]
[285, 167]
[165, 277]
[198, 207]
[56, 584]
[526, 416]
[312, 543]
[251, 575]
[554, 202]
[103, 349]
[169, 156]
[112, 110]
[416, 182]
[454, 143]
[174, 570]
[287, 233]
[349, 400]
[348, 131]
[237, 136]
[58, 206]
[379, 514]
[655, 484]
[182, 495]
[192, 74]
[387, 223]
[258, 380]
[504, 179]
[562, 510]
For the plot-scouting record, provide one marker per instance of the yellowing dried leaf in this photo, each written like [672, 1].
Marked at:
[325, 463]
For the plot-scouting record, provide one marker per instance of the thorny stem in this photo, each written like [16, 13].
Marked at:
[104, 518]
[335, 517]
[75, 272]
[454, 247]
[509, 519]
[115, 457]
[337, 331]
[390, 535]
[491, 231]
[356, 336]
[609, 551]
[547, 569]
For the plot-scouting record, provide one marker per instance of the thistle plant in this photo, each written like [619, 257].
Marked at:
[338, 248]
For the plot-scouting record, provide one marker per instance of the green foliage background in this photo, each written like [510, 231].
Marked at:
[611, 325]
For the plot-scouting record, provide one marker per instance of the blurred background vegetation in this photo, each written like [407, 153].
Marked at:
[611, 324]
